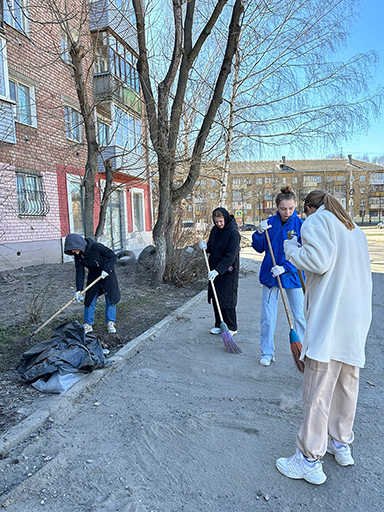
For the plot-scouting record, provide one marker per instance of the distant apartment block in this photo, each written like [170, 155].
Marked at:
[252, 188]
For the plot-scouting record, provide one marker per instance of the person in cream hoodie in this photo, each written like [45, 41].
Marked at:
[338, 310]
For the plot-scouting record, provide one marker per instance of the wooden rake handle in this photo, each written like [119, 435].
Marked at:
[65, 307]
[278, 280]
[213, 288]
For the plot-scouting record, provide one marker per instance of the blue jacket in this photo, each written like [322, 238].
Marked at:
[277, 234]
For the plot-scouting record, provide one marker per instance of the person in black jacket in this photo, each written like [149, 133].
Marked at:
[100, 261]
[224, 249]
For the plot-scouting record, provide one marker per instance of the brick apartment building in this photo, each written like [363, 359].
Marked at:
[43, 150]
[252, 188]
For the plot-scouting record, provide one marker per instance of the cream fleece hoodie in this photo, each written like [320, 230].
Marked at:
[338, 298]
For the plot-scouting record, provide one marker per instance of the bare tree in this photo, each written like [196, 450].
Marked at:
[164, 113]
[290, 88]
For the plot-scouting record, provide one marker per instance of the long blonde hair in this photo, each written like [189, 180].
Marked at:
[317, 197]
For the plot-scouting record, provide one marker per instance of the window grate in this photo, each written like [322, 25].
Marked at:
[31, 198]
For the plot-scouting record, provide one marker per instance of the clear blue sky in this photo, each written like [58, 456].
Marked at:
[368, 35]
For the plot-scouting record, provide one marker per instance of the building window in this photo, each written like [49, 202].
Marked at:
[122, 63]
[104, 133]
[75, 196]
[283, 181]
[24, 97]
[249, 181]
[3, 69]
[213, 183]
[236, 181]
[310, 179]
[30, 195]
[73, 124]
[213, 195]
[268, 180]
[16, 14]
[127, 131]
[138, 210]
[362, 178]
[294, 180]
[66, 43]
[259, 181]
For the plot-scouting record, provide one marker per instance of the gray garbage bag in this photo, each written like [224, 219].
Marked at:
[68, 351]
[57, 383]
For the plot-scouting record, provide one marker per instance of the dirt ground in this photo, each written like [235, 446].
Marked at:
[42, 290]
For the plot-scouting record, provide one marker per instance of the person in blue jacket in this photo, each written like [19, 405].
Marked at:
[100, 261]
[286, 219]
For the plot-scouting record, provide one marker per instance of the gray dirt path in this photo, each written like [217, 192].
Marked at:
[185, 426]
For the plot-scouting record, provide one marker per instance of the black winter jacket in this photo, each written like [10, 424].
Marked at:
[224, 248]
[95, 257]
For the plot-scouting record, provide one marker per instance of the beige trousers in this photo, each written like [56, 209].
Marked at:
[330, 393]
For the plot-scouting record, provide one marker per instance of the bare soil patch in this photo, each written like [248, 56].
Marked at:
[42, 290]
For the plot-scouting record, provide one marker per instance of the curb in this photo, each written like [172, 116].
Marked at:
[18, 433]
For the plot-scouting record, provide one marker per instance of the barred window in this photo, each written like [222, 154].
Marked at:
[31, 198]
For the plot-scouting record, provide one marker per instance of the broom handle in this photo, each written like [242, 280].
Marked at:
[278, 280]
[65, 307]
[213, 288]
[300, 272]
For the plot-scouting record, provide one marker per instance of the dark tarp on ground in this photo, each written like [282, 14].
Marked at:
[68, 351]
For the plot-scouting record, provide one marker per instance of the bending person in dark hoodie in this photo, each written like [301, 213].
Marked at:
[100, 261]
[224, 248]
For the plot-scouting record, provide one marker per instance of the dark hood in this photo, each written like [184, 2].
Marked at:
[227, 216]
[74, 242]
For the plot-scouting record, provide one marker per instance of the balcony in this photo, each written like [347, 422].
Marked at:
[105, 14]
[124, 161]
[108, 88]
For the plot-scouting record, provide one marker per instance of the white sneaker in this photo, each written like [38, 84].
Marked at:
[266, 361]
[216, 330]
[87, 328]
[299, 468]
[342, 455]
[111, 327]
[232, 333]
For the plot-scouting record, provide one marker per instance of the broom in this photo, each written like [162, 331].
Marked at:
[229, 342]
[293, 336]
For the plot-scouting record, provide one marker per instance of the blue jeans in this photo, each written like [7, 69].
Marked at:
[89, 312]
[269, 304]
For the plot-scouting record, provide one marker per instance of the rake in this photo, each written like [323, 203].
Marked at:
[65, 307]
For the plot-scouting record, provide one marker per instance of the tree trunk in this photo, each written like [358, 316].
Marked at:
[77, 54]
[106, 195]
[229, 139]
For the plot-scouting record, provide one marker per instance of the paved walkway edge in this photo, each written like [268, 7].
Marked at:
[19, 432]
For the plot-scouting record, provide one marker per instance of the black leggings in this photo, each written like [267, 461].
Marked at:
[229, 317]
